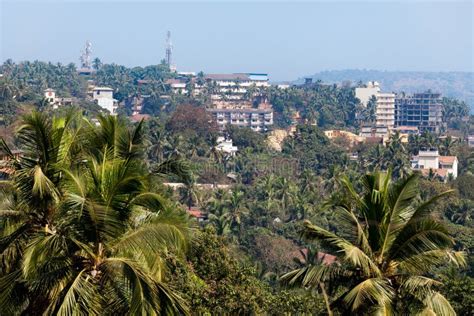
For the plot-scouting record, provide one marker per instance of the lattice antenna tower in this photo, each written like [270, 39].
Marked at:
[86, 56]
[169, 49]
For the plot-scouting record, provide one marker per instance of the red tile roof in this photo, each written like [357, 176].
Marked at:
[195, 212]
[139, 117]
[439, 172]
[447, 159]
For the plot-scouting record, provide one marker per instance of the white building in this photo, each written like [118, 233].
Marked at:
[385, 111]
[259, 120]
[443, 166]
[178, 86]
[365, 94]
[470, 141]
[235, 85]
[225, 145]
[104, 97]
[56, 102]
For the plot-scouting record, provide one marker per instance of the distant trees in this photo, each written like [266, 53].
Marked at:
[190, 119]
[96, 63]
[326, 105]
[454, 111]
[246, 138]
[313, 149]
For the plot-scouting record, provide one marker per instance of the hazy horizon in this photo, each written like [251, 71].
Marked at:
[285, 40]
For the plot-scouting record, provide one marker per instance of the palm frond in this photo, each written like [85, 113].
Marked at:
[370, 292]
[438, 304]
[79, 297]
[352, 254]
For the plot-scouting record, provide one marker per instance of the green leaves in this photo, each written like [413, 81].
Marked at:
[370, 292]
[387, 242]
[85, 235]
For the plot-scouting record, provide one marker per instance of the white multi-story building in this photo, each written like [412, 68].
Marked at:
[54, 100]
[104, 97]
[259, 120]
[442, 166]
[364, 94]
[234, 86]
[385, 111]
[226, 146]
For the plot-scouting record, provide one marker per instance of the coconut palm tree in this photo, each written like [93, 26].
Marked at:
[237, 210]
[387, 242]
[447, 145]
[84, 234]
[310, 262]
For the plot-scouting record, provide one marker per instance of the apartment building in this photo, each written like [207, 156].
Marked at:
[259, 120]
[104, 97]
[364, 94]
[422, 110]
[385, 110]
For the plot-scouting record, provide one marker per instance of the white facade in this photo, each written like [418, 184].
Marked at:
[470, 141]
[235, 85]
[54, 100]
[259, 120]
[50, 95]
[426, 159]
[385, 111]
[105, 99]
[225, 145]
[365, 94]
[431, 160]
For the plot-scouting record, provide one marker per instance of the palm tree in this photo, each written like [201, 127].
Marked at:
[85, 234]
[285, 192]
[310, 263]
[237, 210]
[96, 63]
[447, 145]
[387, 243]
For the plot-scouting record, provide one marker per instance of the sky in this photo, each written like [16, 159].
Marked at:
[287, 40]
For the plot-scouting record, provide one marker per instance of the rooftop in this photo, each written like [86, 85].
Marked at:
[103, 89]
[251, 110]
[439, 172]
[228, 77]
[447, 159]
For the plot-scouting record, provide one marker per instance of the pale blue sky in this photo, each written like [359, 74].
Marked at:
[285, 39]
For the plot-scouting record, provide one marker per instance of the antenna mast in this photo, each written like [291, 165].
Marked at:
[86, 56]
[169, 49]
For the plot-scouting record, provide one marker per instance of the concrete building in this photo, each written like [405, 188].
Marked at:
[54, 100]
[104, 97]
[351, 137]
[442, 166]
[385, 111]
[423, 110]
[470, 141]
[364, 94]
[233, 97]
[177, 86]
[226, 146]
[259, 120]
[234, 86]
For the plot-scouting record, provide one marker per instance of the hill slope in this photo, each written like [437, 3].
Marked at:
[458, 85]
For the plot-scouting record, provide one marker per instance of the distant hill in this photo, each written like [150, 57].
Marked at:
[458, 85]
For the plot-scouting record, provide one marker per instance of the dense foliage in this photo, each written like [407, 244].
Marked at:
[90, 223]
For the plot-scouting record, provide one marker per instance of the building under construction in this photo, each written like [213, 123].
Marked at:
[423, 110]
